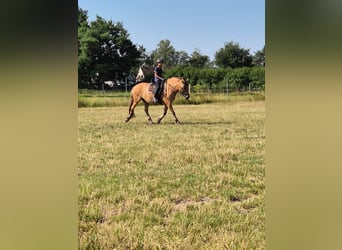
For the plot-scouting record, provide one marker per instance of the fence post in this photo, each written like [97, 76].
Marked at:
[126, 80]
[103, 89]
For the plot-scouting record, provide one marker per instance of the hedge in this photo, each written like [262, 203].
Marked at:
[215, 79]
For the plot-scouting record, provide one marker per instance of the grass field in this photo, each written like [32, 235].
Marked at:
[197, 185]
[88, 98]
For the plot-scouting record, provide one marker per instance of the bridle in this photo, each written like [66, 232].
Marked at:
[181, 90]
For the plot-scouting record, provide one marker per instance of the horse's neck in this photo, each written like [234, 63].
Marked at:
[172, 87]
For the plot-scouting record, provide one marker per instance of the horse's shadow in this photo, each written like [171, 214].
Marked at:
[198, 123]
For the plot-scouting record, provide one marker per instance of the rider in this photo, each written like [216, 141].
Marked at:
[158, 78]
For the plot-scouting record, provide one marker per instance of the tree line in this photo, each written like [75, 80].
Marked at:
[105, 52]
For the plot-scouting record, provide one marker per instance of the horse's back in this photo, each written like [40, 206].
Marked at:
[141, 90]
[140, 86]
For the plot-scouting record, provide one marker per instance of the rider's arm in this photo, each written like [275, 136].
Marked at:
[156, 76]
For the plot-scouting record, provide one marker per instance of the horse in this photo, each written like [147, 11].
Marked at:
[142, 92]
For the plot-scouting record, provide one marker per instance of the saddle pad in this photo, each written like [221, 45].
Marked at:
[150, 88]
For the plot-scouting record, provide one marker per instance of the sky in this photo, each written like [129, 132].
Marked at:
[204, 25]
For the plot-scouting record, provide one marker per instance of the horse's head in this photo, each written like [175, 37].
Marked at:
[184, 88]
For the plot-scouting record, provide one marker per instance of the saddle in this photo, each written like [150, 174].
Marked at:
[151, 87]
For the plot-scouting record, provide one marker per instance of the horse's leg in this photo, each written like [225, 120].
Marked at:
[147, 113]
[163, 115]
[174, 114]
[131, 109]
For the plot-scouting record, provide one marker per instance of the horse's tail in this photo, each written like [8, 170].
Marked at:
[130, 103]
[131, 100]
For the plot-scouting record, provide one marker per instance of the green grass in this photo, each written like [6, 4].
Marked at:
[88, 98]
[197, 185]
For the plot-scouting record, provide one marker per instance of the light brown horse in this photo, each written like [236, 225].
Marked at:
[142, 92]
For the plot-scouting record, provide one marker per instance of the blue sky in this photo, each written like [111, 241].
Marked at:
[203, 24]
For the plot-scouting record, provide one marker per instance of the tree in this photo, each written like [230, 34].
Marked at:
[166, 51]
[82, 17]
[83, 60]
[146, 58]
[232, 55]
[143, 54]
[259, 57]
[105, 50]
[198, 60]
[181, 58]
[173, 58]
